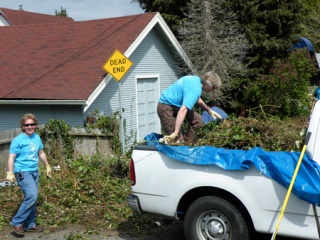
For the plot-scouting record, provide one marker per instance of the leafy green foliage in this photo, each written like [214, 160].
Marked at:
[270, 26]
[285, 89]
[269, 133]
[55, 134]
[310, 23]
[91, 192]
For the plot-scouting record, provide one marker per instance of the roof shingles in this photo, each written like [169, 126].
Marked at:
[62, 61]
[20, 17]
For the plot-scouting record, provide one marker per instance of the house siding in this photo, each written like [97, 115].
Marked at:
[152, 57]
[12, 114]
[3, 21]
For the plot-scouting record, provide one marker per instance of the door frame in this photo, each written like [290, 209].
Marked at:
[139, 78]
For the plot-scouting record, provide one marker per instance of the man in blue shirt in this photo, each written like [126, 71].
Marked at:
[316, 92]
[214, 105]
[176, 105]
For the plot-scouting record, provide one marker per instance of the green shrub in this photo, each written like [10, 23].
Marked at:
[284, 91]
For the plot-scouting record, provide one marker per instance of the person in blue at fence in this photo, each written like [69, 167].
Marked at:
[316, 92]
[214, 105]
[25, 151]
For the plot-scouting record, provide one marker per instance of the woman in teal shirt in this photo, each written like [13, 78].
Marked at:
[25, 151]
[176, 105]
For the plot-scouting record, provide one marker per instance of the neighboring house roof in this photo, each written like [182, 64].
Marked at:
[21, 17]
[63, 62]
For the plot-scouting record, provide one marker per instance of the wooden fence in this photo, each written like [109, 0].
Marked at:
[85, 144]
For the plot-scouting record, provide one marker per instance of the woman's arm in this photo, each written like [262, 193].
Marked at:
[43, 158]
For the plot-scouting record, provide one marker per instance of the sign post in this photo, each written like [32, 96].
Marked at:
[117, 66]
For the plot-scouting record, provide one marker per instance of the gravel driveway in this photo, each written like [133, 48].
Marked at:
[172, 231]
[75, 231]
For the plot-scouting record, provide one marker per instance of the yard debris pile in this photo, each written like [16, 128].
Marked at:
[271, 134]
[90, 192]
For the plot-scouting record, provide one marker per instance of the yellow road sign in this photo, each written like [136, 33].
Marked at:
[117, 65]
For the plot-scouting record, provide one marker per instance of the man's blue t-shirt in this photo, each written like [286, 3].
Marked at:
[185, 91]
[207, 118]
[316, 93]
[27, 149]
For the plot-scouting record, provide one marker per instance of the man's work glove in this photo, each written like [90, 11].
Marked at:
[48, 170]
[169, 139]
[214, 114]
[10, 177]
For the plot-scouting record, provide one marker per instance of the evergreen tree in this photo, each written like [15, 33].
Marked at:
[62, 12]
[172, 11]
[213, 40]
[270, 25]
[311, 22]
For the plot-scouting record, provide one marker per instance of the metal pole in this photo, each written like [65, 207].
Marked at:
[121, 120]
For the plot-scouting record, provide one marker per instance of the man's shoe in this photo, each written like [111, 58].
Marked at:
[35, 229]
[18, 229]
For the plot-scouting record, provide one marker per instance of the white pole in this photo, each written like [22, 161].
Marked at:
[121, 121]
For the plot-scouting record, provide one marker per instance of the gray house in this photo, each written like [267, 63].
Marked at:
[55, 71]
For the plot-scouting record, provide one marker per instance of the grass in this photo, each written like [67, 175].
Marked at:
[90, 192]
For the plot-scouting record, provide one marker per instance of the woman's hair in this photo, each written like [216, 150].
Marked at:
[26, 117]
[212, 79]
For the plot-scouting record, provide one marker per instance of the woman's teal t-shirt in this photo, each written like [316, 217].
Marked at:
[185, 91]
[26, 149]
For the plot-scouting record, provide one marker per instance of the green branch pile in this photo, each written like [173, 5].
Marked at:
[90, 192]
[271, 134]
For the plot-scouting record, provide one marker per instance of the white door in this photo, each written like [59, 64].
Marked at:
[147, 99]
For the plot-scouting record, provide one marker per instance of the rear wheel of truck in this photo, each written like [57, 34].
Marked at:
[215, 218]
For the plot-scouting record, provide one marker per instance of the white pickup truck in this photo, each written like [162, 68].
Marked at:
[215, 203]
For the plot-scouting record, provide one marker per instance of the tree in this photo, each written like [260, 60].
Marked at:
[172, 11]
[270, 25]
[62, 12]
[213, 39]
[284, 91]
[311, 23]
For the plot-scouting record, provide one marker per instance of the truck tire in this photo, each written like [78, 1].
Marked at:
[215, 218]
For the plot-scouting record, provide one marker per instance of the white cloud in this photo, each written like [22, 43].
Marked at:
[77, 9]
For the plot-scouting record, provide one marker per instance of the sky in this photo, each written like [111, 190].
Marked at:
[79, 10]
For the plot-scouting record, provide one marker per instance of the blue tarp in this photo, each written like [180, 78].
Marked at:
[279, 166]
[303, 43]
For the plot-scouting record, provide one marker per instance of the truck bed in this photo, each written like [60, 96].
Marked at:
[167, 186]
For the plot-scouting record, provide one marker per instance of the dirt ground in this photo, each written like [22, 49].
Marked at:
[164, 231]
[70, 231]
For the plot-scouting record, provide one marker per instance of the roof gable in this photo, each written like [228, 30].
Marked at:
[64, 61]
[21, 17]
